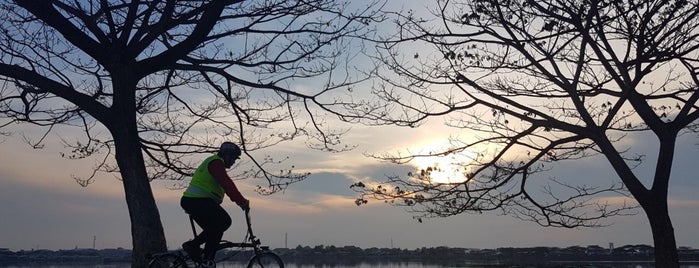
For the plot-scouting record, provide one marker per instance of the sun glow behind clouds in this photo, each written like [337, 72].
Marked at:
[452, 168]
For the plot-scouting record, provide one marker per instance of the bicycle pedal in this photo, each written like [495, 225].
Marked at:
[208, 264]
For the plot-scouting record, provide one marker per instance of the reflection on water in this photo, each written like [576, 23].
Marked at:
[114, 265]
[378, 265]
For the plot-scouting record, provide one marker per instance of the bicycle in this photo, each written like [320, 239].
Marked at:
[262, 257]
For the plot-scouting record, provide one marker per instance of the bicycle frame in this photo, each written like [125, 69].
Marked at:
[262, 256]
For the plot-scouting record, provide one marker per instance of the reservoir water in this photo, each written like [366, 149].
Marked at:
[378, 265]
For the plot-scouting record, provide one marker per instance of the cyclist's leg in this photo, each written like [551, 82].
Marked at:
[221, 221]
[211, 217]
[193, 207]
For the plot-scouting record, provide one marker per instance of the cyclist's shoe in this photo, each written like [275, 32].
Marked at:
[192, 250]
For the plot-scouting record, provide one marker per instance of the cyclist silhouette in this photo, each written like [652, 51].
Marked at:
[202, 201]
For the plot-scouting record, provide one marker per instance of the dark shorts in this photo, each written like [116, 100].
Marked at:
[210, 216]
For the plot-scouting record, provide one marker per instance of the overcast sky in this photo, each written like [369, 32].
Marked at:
[44, 208]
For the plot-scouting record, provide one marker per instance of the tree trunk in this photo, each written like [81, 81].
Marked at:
[654, 201]
[147, 235]
[663, 235]
[146, 229]
[655, 204]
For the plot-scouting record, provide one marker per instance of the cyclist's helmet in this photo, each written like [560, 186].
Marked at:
[229, 148]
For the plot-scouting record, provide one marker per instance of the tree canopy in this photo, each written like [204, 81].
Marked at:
[198, 64]
[153, 84]
[527, 84]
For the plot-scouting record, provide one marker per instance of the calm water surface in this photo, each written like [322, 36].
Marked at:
[372, 265]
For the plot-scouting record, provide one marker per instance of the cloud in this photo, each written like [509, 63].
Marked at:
[43, 200]
[686, 204]
[319, 192]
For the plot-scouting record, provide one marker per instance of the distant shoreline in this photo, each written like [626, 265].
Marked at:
[351, 255]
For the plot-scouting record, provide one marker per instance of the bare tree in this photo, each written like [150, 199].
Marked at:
[153, 83]
[538, 82]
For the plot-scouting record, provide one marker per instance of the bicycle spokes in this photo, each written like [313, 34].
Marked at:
[265, 260]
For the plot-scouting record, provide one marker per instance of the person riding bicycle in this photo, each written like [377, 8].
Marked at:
[202, 201]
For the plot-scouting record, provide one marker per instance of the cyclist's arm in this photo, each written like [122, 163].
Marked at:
[217, 169]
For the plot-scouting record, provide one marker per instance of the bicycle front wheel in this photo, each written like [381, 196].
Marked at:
[169, 260]
[266, 259]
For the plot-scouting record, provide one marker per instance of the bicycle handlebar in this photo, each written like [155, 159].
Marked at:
[251, 235]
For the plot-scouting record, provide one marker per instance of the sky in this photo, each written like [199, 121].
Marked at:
[44, 208]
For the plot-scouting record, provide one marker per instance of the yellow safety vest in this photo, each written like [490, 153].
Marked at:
[203, 184]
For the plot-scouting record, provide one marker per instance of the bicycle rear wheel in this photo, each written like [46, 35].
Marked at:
[266, 259]
[169, 260]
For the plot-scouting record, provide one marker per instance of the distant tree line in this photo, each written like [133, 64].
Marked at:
[451, 255]
[71, 256]
[353, 255]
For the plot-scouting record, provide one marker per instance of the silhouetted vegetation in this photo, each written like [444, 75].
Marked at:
[525, 85]
[352, 255]
[152, 84]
